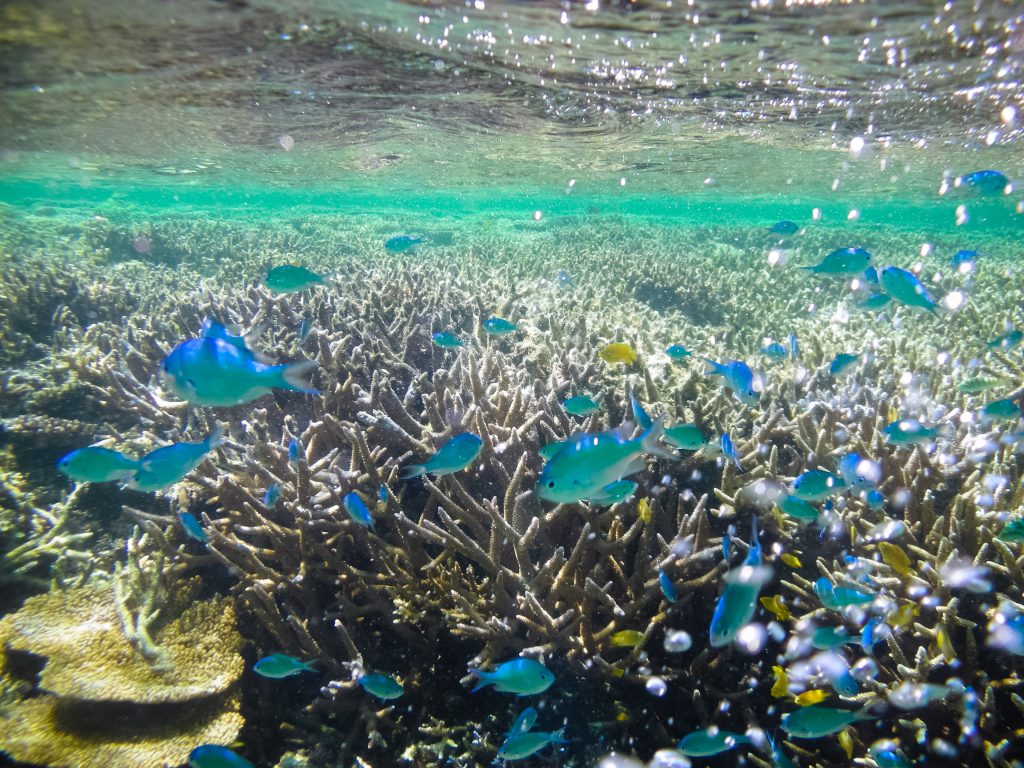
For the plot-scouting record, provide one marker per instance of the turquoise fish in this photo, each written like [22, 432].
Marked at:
[191, 526]
[273, 493]
[216, 756]
[446, 340]
[785, 228]
[524, 721]
[737, 377]
[686, 437]
[581, 405]
[1001, 409]
[798, 508]
[520, 676]
[357, 509]
[1013, 531]
[211, 329]
[910, 432]
[168, 465]
[1007, 340]
[816, 485]
[710, 741]
[668, 588]
[498, 327]
[815, 722]
[873, 302]
[907, 289]
[591, 466]
[830, 638]
[837, 598]
[454, 456]
[280, 665]
[289, 278]
[842, 261]
[987, 182]
[735, 608]
[677, 352]
[775, 350]
[841, 363]
[97, 465]
[643, 419]
[382, 686]
[400, 243]
[520, 746]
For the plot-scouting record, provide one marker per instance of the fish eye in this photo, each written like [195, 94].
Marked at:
[551, 483]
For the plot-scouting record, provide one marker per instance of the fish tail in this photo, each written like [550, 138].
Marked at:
[558, 737]
[293, 376]
[649, 440]
[411, 471]
[216, 438]
[485, 677]
[812, 268]
[717, 369]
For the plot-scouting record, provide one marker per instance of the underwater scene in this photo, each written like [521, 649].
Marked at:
[457, 383]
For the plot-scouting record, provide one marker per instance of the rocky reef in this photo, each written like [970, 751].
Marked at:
[472, 569]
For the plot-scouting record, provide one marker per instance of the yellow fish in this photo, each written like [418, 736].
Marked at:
[903, 615]
[791, 560]
[776, 606]
[807, 698]
[894, 557]
[945, 645]
[643, 510]
[627, 638]
[846, 742]
[780, 689]
[619, 352]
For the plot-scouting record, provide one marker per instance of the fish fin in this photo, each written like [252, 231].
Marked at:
[293, 376]
[411, 471]
[216, 438]
[812, 268]
[649, 440]
[717, 369]
[558, 737]
[485, 679]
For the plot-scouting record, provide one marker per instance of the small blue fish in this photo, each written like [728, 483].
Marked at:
[211, 329]
[843, 261]
[841, 363]
[1007, 340]
[191, 526]
[816, 485]
[272, 495]
[357, 510]
[729, 451]
[564, 279]
[382, 686]
[736, 376]
[97, 465]
[726, 545]
[815, 722]
[382, 494]
[168, 465]
[677, 352]
[401, 243]
[668, 589]
[799, 508]
[1001, 409]
[875, 631]
[964, 261]
[446, 340]
[905, 288]
[581, 405]
[520, 676]
[454, 456]
[498, 327]
[291, 278]
[774, 350]
[710, 741]
[520, 746]
[524, 722]
[870, 276]
[213, 372]
[794, 346]
[686, 437]
[280, 665]
[910, 432]
[837, 598]
[293, 452]
[643, 420]
[779, 758]
[216, 756]
[735, 608]
[985, 182]
[304, 329]
[873, 302]
[830, 638]
[875, 500]
[859, 473]
[785, 228]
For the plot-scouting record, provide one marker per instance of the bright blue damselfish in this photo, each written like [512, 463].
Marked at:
[454, 456]
[521, 676]
[168, 465]
[357, 509]
[216, 756]
[382, 686]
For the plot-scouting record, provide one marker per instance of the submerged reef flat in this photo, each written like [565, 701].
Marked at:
[456, 572]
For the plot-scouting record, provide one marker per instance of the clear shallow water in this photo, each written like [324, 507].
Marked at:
[645, 147]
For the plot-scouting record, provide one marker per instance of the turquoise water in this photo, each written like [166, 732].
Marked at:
[605, 176]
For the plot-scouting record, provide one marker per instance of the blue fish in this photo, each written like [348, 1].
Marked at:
[677, 352]
[280, 665]
[214, 372]
[293, 452]
[735, 608]
[870, 276]
[841, 362]
[168, 465]
[304, 328]
[729, 451]
[837, 598]
[97, 465]
[668, 589]
[496, 326]
[875, 630]
[272, 495]
[382, 686]
[216, 756]
[581, 405]
[520, 746]
[211, 329]
[564, 279]
[726, 545]
[785, 228]
[357, 510]
[875, 500]
[446, 340]
[904, 287]
[965, 259]
[1007, 340]
[794, 346]
[736, 376]
[454, 456]
[191, 526]
[520, 676]
[710, 741]
[643, 420]
[382, 494]
[774, 350]
[985, 182]
[400, 243]
[843, 261]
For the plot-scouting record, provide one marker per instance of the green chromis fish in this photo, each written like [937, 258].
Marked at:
[830, 638]
[710, 741]
[905, 288]
[446, 340]
[1007, 340]
[590, 467]
[357, 509]
[841, 363]
[520, 746]
[677, 352]
[735, 608]
[843, 261]
[212, 372]
[498, 327]
[581, 405]
[642, 418]
[775, 350]
[837, 598]
[1013, 531]
[668, 587]
[987, 182]
[168, 465]
[400, 243]
[382, 686]
[685, 437]
[873, 302]
[454, 456]
[978, 384]
[524, 721]
[815, 722]
[1001, 409]
[216, 756]
[289, 278]
[798, 508]
[97, 465]
[785, 228]
[910, 432]
[737, 377]
[521, 676]
[816, 485]
[191, 526]
[280, 665]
